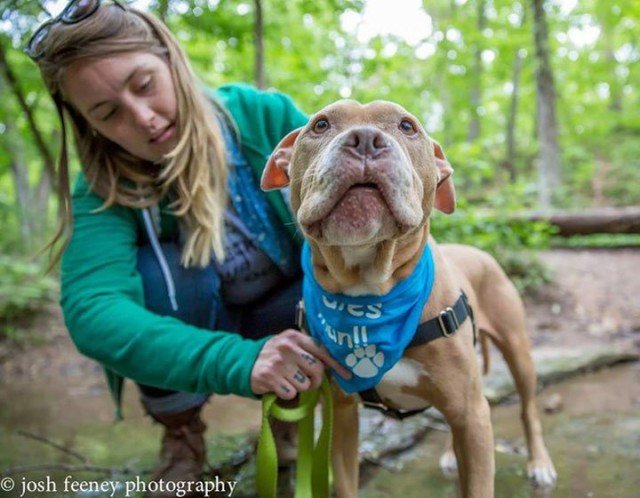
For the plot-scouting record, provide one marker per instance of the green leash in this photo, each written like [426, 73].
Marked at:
[313, 465]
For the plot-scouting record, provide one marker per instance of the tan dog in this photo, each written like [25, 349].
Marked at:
[364, 180]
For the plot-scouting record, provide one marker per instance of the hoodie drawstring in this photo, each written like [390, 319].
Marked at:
[162, 261]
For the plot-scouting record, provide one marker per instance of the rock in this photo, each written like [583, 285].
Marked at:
[382, 436]
[553, 364]
[509, 447]
[553, 404]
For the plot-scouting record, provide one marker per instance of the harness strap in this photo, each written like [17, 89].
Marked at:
[371, 399]
[445, 324]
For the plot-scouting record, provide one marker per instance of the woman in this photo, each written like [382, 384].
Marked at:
[172, 251]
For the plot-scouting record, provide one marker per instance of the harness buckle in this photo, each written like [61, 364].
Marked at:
[448, 321]
[376, 405]
[384, 409]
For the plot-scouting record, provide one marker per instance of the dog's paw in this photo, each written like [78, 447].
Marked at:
[449, 464]
[365, 362]
[542, 474]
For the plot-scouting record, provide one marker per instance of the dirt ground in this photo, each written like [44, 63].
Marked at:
[593, 298]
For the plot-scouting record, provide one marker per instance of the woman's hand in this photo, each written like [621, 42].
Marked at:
[290, 363]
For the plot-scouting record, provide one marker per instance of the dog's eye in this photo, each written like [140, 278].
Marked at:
[321, 125]
[407, 127]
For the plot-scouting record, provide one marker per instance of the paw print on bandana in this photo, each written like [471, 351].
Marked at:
[365, 362]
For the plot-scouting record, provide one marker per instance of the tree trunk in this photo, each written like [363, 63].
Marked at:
[23, 196]
[603, 170]
[258, 37]
[510, 162]
[549, 155]
[476, 91]
[615, 88]
[447, 114]
[608, 47]
[586, 222]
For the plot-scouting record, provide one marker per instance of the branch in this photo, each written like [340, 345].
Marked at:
[28, 111]
[86, 466]
[44, 440]
[258, 40]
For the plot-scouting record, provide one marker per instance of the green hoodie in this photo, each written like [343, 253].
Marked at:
[101, 292]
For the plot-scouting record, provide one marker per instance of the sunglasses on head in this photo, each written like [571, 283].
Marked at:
[75, 12]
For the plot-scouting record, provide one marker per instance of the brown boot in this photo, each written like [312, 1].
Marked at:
[183, 452]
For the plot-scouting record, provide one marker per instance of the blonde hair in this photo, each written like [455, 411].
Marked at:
[194, 172]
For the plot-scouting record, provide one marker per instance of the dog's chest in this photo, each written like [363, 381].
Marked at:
[400, 385]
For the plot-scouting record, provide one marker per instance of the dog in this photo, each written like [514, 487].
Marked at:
[363, 182]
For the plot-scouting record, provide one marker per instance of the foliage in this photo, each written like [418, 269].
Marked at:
[7, 220]
[623, 179]
[512, 242]
[23, 289]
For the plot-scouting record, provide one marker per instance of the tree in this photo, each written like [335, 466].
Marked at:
[549, 154]
[258, 41]
[476, 90]
[510, 131]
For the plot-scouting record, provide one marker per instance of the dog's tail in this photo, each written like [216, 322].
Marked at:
[484, 347]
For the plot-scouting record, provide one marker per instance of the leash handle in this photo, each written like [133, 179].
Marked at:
[313, 463]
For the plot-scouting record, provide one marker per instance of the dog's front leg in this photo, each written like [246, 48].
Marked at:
[473, 445]
[455, 388]
[345, 444]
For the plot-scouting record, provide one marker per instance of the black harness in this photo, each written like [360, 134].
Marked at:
[445, 324]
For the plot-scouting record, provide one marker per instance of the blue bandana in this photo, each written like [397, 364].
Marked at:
[366, 334]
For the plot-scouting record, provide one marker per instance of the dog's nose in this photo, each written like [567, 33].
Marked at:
[366, 141]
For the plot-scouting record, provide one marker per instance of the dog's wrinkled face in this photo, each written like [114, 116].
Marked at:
[359, 174]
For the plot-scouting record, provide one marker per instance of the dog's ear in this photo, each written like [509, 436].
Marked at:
[445, 192]
[276, 172]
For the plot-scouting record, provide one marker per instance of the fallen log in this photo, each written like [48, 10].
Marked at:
[586, 222]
